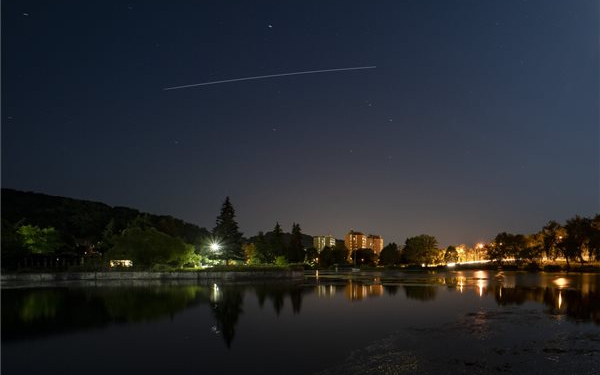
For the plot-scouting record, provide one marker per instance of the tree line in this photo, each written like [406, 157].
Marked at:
[46, 231]
[578, 240]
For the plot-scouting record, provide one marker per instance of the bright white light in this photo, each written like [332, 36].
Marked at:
[451, 264]
[215, 246]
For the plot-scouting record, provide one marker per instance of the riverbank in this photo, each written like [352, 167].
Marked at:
[50, 277]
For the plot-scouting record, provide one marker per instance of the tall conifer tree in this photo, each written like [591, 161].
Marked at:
[295, 249]
[277, 245]
[227, 233]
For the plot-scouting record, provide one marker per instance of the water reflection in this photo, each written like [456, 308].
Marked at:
[574, 296]
[226, 303]
[37, 312]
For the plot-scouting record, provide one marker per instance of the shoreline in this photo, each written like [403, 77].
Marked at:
[51, 277]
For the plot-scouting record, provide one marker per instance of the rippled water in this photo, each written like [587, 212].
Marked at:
[475, 322]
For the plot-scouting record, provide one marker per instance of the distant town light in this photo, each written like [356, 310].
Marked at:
[451, 264]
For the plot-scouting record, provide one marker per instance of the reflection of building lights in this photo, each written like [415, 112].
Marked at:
[461, 283]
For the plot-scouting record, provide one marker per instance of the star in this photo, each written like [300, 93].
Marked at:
[26, 14]
[270, 26]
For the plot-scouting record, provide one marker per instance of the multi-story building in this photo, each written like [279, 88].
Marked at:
[375, 243]
[355, 240]
[319, 242]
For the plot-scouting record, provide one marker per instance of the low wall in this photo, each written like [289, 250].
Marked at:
[133, 275]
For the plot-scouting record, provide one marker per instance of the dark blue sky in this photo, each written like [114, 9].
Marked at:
[481, 117]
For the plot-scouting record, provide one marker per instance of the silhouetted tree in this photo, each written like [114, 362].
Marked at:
[227, 233]
[421, 249]
[277, 246]
[264, 252]
[295, 250]
[390, 255]
[149, 246]
[594, 241]
[451, 255]
[552, 234]
[365, 257]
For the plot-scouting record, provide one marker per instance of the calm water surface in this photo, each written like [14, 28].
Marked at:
[472, 322]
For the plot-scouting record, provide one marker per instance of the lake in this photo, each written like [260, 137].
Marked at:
[391, 322]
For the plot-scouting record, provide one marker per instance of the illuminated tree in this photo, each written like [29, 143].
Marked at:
[250, 253]
[40, 240]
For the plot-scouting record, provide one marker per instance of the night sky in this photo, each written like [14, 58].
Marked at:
[481, 116]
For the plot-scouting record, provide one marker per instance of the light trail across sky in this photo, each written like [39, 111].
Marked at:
[269, 76]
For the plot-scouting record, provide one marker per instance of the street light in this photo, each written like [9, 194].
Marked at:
[215, 246]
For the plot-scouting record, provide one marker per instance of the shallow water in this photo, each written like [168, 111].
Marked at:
[475, 322]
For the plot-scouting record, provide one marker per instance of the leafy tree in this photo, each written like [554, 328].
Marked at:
[594, 240]
[533, 249]
[295, 250]
[39, 240]
[330, 256]
[451, 255]
[311, 255]
[281, 261]
[227, 233]
[494, 252]
[148, 247]
[326, 257]
[421, 249]
[250, 253]
[552, 233]
[264, 254]
[578, 231]
[339, 253]
[390, 255]
[365, 256]
[508, 245]
[276, 243]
